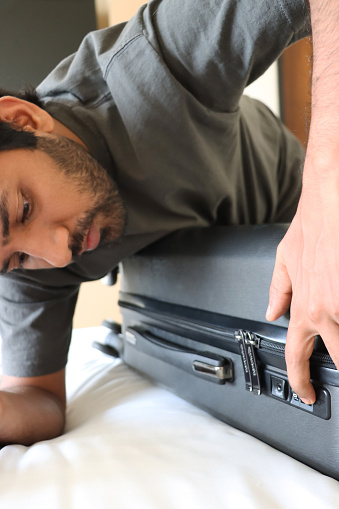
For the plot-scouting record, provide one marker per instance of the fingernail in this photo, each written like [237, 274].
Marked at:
[306, 401]
[268, 312]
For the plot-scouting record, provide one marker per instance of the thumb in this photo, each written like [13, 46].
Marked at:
[280, 290]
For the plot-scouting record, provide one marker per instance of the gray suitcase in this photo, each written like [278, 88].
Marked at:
[193, 308]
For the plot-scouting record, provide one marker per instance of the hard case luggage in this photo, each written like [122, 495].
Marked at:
[193, 308]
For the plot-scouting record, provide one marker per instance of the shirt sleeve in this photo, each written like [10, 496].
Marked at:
[35, 324]
[215, 48]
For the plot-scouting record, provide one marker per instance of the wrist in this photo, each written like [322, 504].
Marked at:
[322, 156]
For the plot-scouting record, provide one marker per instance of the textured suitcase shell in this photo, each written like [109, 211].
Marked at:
[183, 295]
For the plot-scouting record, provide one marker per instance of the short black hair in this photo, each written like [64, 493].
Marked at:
[28, 94]
[11, 136]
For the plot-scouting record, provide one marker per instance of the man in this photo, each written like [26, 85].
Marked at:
[143, 131]
[306, 270]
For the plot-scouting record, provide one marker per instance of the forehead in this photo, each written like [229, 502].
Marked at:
[13, 160]
[23, 163]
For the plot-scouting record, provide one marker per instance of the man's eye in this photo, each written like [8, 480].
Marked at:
[26, 210]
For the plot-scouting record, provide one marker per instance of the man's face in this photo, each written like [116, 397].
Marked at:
[49, 215]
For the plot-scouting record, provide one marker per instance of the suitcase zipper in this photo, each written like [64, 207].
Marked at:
[248, 342]
[321, 358]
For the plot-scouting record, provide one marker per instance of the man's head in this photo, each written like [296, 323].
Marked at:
[56, 201]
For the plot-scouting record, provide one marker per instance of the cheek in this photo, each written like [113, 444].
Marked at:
[66, 201]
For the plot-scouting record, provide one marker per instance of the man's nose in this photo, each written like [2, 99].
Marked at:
[49, 245]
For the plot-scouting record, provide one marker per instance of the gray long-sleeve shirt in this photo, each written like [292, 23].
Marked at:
[158, 103]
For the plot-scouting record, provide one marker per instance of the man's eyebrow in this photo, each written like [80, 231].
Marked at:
[4, 217]
[4, 269]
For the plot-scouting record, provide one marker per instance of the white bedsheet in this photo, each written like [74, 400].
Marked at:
[129, 444]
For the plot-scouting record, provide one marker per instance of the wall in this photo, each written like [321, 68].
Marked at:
[266, 89]
[112, 12]
[97, 301]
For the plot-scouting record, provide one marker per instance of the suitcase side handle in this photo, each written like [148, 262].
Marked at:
[207, 365]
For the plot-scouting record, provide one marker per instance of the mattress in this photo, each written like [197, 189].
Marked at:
[131, 444]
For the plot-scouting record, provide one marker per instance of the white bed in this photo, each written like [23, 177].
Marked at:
[129, 444]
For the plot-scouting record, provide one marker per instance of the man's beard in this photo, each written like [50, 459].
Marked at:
[88, 177]
[108, 233]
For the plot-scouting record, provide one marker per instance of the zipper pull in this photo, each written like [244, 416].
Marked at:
[240, 336]
[247, 342]
[252, 342]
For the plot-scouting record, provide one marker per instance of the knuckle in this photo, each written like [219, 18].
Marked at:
[315, 312]
[318, 313]
[273, 290]
[335, 313]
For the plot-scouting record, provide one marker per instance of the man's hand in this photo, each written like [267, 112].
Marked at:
[306, 274]
[306, 279]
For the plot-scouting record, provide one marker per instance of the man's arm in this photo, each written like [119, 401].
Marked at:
[32, 409]
[216, 48]
[36, 310]
[306, 274]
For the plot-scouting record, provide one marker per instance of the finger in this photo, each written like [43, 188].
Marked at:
[330, 335]
[299, 348]
[280, 290]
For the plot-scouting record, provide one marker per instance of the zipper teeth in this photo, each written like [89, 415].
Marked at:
[318, 357]
[272, 346]
[323, 358]
[187, 324]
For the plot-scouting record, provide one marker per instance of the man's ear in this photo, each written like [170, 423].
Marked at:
[25, 114]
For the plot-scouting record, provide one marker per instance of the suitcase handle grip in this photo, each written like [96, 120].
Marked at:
[207, 365]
